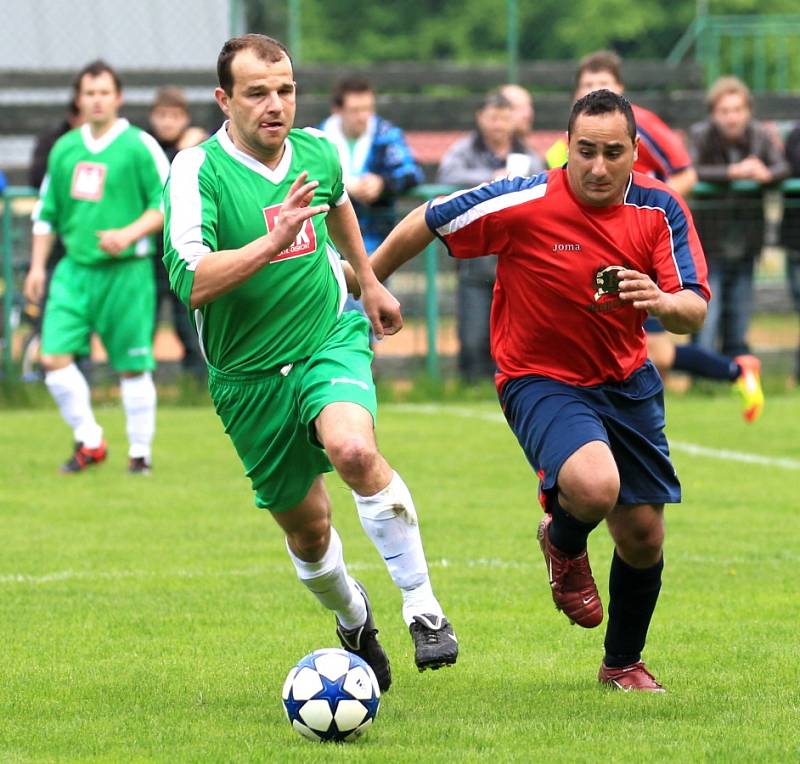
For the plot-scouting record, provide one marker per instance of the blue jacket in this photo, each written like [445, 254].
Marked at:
[381, 150]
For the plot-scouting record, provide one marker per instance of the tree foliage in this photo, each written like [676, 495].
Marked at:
[472, 31]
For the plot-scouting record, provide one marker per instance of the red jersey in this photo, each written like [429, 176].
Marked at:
[661, 150]
[556, 311]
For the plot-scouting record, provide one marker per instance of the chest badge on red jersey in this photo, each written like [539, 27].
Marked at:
[607, 282]
[304, 244]
[606, 296]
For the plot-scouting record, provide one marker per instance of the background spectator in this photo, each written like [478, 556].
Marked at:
[377, 163]
[170, 125]
[522, 114]
[729, 146]
[790, 229]
[491, 150]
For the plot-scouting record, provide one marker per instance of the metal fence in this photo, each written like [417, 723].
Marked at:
[426, 286]
[52, 35]
[763, 50]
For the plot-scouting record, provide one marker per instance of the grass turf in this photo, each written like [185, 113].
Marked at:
[154, 619]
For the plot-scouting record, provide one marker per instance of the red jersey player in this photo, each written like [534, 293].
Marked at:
[662, 155]
[585, 252]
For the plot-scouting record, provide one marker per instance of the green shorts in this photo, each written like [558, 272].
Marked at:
[116, 300]
[270, 416]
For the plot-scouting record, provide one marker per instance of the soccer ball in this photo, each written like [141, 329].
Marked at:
[331, 695]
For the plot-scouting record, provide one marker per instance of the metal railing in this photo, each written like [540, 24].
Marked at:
[9, 275]
[762, 50]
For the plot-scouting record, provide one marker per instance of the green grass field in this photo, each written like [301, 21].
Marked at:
[154, 619]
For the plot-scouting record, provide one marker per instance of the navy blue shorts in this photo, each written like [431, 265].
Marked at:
[552, 420]
[653, 326]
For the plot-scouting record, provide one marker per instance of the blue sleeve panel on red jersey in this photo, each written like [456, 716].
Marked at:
[687, 253]
[459, 209]
[657, 153]
[661, 150]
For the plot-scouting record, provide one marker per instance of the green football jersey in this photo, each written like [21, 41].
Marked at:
[219, 198]
[99, 184]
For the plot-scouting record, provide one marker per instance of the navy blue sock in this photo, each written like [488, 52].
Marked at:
[567, 533]
[633, 593]
[705, 363]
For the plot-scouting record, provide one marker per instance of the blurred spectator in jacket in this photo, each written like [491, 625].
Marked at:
[732, 146]
[377, 164]
[492, 150]
[790, 228]
[523, 114]
[170, 125]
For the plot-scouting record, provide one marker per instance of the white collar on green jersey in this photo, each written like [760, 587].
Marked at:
[96, 145]
[273, 176]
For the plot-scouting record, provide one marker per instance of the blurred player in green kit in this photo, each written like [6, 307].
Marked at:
[252, 215]
[102, 196]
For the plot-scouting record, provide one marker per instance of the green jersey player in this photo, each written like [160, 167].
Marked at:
[252, 217]
[102, 195]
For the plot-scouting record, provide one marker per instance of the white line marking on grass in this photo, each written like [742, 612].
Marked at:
[693, 449]
[490, 563]
[735, 456]
[254, 572]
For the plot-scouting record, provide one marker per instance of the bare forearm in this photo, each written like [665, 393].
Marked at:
[408, 239]
[219, 272]
[683, 182]
[151, 221]
[42, 246]
[344, 231]
[684, 312]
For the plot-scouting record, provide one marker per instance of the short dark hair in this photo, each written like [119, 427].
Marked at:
[600, 61]
[495, 99]
[266, 48]
[170, 98]
[95, 69]
[603, 102]
[349, 85]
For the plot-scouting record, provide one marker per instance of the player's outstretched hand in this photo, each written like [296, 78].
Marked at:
[295, 210]
[640, 290]
[382, 309]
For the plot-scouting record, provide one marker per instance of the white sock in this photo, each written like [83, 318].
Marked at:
[329, 582]
[139, 400]
[390, 520]
[70, 391]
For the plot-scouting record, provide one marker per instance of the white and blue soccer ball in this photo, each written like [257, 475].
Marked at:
[331, 694]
